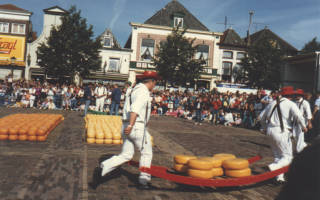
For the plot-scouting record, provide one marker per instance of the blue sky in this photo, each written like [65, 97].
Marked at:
[296, 21]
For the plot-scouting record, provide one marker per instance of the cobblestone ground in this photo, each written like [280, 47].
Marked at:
[62, 167]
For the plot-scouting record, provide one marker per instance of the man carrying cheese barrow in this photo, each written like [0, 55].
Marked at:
[277, 118]
[135, 133]
[305, 109]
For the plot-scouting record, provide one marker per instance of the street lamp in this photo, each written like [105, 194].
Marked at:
[13, 61]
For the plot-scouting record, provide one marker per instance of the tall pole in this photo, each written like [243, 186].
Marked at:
[251, 12]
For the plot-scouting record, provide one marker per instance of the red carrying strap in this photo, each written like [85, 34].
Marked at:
[162, 172]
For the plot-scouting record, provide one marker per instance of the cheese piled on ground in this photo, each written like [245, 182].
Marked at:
[236, 163]
[238, 173]
[183, 159]
[205, 174]
[216, 162]
[200, 164]
[224, 156]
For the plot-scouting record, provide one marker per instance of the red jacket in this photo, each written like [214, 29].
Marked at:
[216, 104]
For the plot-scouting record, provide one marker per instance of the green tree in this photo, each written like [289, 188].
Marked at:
[262, 66]
[311, 46]
[175, 60]
[70, 48]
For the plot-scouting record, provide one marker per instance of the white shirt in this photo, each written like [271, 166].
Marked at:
[305, 109]
[140, 100]
[126, 106]
[100, 91]
[289, 111]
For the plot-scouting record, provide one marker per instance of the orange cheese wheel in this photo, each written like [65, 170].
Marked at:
[4, 137]
[238, 173]
[23, 131]
[181, 168]
[99, 141]
[216, 162]
[116, 137]
[217, 172]
[32, 131]
[91, 140]
[42, 138]
[224, 156]
[41, 131]
[3, 131]
[205, 174]
[200, 164]
[32, 138]
[13, 137]
[116, 141]
[236, 163]
[13, 130]
[107, 141]
[183, 159]
[23, 137]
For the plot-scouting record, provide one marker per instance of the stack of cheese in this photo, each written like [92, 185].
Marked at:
[103, 129]
[210, 167]
[31, 127]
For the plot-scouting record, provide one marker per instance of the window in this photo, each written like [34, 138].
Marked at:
[147, 49]
[18, 28]
[114, 65]
[107, 42]
[226, 68]
[228, 54]
[203, 53]
[4, 27]
[178, 22]
[240, 55]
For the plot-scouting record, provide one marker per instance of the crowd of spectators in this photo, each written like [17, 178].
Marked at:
[229, 109]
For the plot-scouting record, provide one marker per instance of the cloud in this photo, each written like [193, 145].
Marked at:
[118, 8]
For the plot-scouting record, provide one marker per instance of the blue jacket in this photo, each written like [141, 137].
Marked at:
[116, 95]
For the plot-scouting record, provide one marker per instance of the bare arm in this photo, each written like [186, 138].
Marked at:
[133, 118]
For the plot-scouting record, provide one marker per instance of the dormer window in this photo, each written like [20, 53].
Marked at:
[107, 41]
[178, 21]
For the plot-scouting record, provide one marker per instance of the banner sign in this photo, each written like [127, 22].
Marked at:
[12, 46]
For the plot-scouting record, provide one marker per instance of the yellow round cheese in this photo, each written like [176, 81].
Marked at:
[236, 163]
[216, 162]
[224, 156]
[91, 140]
[238, 172]
[116, 141]
[205, 174]
[107, 141]
[217, 172]
[180, 168]
[100, 136]
[99, 141]
[116, 137]
[108, 136]
[200, 164]
[183, 159]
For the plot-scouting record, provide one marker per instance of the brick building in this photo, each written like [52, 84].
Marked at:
[145, 37]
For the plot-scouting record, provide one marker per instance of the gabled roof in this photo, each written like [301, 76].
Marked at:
[164, 17]
[11, 7]
[231, 38]
[108, 32]
[255, 37]
[55, 10]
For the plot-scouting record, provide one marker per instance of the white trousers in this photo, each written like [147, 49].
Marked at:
[135, 139]
[99, 104]
[281, 147]
[298, 135]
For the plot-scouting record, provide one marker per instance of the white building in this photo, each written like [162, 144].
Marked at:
[15, 30]
[52, 17]
[115, 61]
[146, 37]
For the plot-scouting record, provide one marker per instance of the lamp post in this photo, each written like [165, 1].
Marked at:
[12, 63]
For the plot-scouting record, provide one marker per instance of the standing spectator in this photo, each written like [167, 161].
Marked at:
[32, 92]
[87, 98]
[198, 106]
[67, 99]
[115, 100]
[100, 94]
[216, 104]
